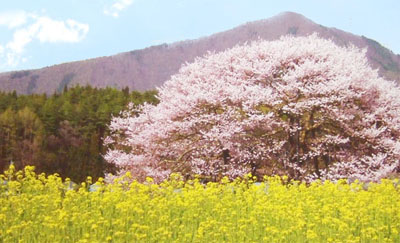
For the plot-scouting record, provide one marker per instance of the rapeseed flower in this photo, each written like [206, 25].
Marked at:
[275, 210]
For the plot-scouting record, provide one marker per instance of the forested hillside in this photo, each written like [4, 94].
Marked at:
[62, 133]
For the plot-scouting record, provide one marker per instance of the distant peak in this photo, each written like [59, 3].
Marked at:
[283, 17]
[288, 14]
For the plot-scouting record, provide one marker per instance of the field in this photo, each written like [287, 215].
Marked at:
[40, 208]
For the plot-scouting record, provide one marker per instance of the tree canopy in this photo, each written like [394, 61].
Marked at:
[300, 106]
[62, 133]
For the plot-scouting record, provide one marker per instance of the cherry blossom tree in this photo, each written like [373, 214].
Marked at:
[300, 106]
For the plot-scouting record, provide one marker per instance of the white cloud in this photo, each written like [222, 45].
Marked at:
[21, 38]
[117, 7]
[43, 29]
[52, 31]
[13, 19]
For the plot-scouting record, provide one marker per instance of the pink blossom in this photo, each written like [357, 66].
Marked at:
[301, 106]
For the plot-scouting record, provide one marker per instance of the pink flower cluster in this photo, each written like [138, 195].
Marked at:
[301, 106]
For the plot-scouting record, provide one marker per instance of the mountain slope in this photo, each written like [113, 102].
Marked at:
[150, 67]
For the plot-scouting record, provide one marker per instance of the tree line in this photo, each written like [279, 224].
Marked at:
[62, 133]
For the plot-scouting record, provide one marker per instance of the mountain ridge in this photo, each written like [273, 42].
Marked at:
[150, 67]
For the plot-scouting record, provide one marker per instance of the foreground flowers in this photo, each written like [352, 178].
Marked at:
[36, 208]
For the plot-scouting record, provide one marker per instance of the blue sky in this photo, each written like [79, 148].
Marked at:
[39, 33]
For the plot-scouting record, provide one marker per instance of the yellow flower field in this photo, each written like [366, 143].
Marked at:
[39, 208]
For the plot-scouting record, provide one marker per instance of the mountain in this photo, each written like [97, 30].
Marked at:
[150, 67]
